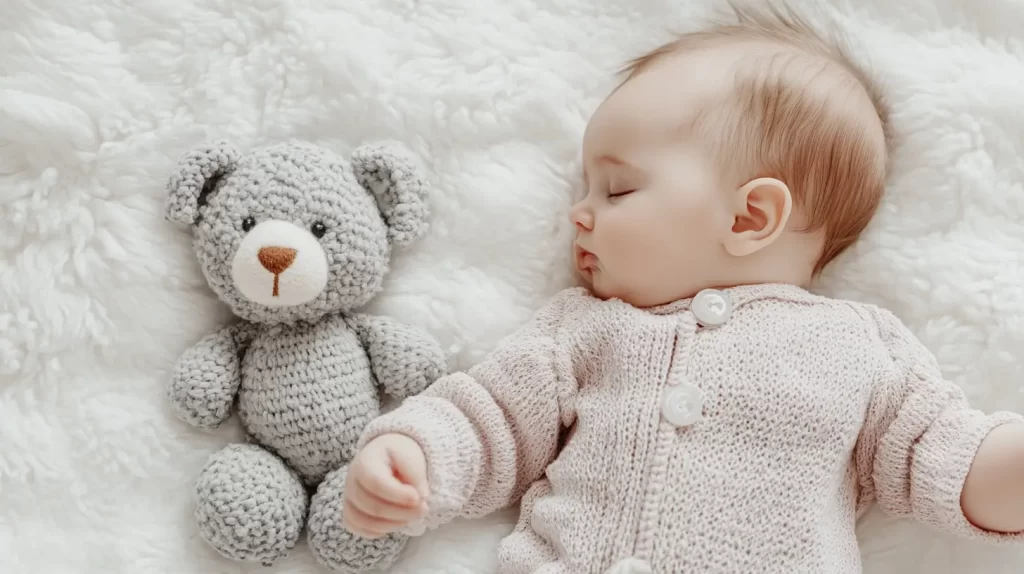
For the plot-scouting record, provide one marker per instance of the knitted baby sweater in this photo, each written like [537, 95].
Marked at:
[746, 434]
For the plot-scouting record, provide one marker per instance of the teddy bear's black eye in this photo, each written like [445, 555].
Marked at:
[318, 229]
[248, 223]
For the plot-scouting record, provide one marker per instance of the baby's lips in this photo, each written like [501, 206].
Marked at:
[584, 259]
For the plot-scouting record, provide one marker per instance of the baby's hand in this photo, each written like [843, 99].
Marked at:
[386, 487]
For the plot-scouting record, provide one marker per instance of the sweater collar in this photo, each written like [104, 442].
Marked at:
[743, 294]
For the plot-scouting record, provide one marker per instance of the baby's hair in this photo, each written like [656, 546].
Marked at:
[829, 143]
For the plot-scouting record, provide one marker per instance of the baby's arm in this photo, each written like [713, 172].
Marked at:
[924, 453]
[489, 433]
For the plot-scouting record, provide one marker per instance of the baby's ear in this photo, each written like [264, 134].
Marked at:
[196, 176]
[392, 175]
[761, 211]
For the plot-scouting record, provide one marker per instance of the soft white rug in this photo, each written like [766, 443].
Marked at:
[98, 295]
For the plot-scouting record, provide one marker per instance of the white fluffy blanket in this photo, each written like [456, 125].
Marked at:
[98, 295]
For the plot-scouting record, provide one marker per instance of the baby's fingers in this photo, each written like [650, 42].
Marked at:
[375, 507]
[367, 526]
[377, 479]
[411, 469]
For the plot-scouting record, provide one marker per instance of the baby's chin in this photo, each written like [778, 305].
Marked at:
[600, 287]
[585, 278]
[596, 284]
[605, 288]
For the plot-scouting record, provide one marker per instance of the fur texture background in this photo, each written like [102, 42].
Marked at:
[98, 295]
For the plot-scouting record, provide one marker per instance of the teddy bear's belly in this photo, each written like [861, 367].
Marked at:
[308, 397]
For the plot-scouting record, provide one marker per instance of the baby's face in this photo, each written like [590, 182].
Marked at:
[649, 229]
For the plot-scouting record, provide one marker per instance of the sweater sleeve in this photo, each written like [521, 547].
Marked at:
[920, 437]
[490, 432]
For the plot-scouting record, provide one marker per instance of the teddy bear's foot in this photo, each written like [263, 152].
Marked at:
[336, 547]
[251, 506]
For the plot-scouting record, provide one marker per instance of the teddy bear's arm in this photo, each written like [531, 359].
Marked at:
[206, 377]
[404, 360]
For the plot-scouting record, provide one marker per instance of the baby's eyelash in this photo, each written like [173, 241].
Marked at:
[621, 193]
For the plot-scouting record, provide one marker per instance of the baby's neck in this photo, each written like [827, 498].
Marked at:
[790, 261]
[771, 270]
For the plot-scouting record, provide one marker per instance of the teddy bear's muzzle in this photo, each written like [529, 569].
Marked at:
[279, 264]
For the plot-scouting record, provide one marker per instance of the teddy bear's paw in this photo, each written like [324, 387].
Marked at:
[251, 506]
[336, 547]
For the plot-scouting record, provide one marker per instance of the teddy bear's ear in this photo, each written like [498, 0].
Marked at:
[195, 177]
[392, 175]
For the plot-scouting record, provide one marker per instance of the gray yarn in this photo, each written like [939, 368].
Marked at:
[395, 183]
[306, 379]
[198, 167]
[310, 390]
[303, 184]
[266, 499]
[339, 548]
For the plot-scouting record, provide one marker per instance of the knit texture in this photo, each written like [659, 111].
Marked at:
[307, 186]
[397, 184]
[338, 548]
[309, 393]
[198, 173]
[205, 380]
[813, 408]
[306, 378]
[266, 499]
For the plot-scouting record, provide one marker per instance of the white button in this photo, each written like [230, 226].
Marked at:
[682, 405]
[711, 307]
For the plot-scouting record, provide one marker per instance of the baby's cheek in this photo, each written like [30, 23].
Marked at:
[627, 261]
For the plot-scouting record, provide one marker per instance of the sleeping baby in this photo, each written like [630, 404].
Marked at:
[694, 407]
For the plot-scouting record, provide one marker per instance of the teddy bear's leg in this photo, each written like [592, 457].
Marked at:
[336, 547]
[251, 507]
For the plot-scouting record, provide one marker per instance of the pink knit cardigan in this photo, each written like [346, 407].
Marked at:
[796, 412]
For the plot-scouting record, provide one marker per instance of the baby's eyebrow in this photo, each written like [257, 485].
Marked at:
[610, 159]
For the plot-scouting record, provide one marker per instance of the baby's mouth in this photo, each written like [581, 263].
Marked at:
[585, 260]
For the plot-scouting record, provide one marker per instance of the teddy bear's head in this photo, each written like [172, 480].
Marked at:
[293, 231]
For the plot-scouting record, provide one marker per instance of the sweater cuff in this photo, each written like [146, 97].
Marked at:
[450, 446]
[941, 468]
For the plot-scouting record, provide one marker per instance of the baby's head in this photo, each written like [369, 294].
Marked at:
[746, 153]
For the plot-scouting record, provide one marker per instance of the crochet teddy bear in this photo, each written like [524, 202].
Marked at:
[294, 238]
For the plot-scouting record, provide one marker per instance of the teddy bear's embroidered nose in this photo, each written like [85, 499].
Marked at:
[276, 260]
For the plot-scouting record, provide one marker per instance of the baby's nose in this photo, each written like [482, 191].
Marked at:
[581, 218]
[276, 259]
